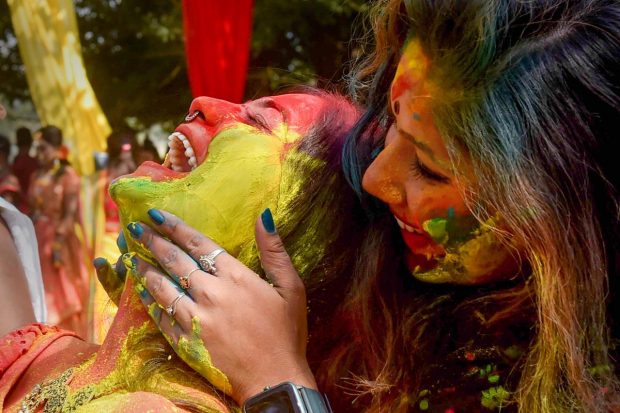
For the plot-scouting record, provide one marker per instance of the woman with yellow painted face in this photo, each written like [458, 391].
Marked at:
[226, 164]
[477, 273]
[486, 277]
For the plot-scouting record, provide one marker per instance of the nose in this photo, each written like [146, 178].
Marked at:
[215, 110]
[386, 176]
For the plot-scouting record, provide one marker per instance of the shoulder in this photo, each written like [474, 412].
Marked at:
[70, 176]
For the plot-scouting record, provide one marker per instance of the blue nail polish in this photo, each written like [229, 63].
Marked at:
[156, 216]
[121, 243]
[135, 229]
[144, 294]
[99, 262]
[267, 220]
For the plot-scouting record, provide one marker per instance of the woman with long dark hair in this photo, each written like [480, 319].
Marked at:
[499, 291]
[459, 253]
[54, 201]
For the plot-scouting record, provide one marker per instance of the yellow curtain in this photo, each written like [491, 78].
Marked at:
[49, 45]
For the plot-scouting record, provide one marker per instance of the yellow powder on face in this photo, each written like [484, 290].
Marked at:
[244, 173]
[472, 262]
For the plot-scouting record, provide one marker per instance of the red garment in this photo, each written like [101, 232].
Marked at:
[32, 339]
[37, 353]
[9, 187]
[65, 275]
[23, 167]
[217, 45]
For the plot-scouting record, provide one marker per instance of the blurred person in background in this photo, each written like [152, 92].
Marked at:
[148, 152]
[9, 185]
[54, 201]
[122, 152]
[24, 165]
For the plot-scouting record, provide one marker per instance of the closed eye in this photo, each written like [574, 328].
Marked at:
[265, 114]
[258, 121]
[420, 170]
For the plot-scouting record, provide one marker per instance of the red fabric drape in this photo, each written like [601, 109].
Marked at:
[217, 43]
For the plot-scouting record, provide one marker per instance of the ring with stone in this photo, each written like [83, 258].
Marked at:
[207, 262]
[172, 308]
[184, 281]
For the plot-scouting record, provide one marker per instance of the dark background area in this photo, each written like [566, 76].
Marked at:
[135, 58]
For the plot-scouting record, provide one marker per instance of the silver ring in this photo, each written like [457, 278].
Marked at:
[172, 308]
[184, 281]
[207, 262]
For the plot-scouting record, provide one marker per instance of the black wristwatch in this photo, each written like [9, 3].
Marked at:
[287, 397]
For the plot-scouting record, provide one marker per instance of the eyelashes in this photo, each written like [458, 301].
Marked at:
[258, 121]
[418, 170]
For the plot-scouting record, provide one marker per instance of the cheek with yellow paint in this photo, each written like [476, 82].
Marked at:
[245, 172]
[221, 197]
[480, 257]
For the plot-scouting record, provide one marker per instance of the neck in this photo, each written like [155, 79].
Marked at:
[135, 357]
[131, 315]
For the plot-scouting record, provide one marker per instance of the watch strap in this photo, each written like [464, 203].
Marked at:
[314, 401]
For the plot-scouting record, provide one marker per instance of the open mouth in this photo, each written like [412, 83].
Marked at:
[181, 156]
[408, 227]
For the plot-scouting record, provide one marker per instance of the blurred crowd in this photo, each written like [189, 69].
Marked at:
[37, 178]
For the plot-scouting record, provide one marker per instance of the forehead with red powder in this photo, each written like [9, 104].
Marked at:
[411, 71]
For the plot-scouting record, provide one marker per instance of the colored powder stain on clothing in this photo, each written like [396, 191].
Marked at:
[494, 397]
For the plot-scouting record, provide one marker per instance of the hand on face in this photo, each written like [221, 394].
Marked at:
[255, 333]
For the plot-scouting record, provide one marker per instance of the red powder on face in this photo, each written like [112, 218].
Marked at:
[400, 85]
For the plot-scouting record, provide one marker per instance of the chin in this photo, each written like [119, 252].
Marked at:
[480, 260]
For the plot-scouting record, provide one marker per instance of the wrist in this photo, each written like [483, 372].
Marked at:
[301, 376]
[288, 397]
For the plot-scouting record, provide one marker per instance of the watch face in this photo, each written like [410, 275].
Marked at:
[282, 398]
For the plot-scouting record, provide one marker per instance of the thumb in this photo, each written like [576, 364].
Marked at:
[276, 261]
[112, 279]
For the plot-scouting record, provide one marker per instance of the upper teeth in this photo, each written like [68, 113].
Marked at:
[406, 227]
[180, 150]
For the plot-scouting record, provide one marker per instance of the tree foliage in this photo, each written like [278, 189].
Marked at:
[135, 59]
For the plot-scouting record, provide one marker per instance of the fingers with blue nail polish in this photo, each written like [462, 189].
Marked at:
[156, 216]
[267, 219]
[121, 243]
[135, 229]
[100, 262]
[109, 278]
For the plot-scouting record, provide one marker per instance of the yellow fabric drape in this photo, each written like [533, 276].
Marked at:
[49, 45]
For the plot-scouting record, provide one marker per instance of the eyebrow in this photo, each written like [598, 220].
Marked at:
[420, 145]
[426, 149]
